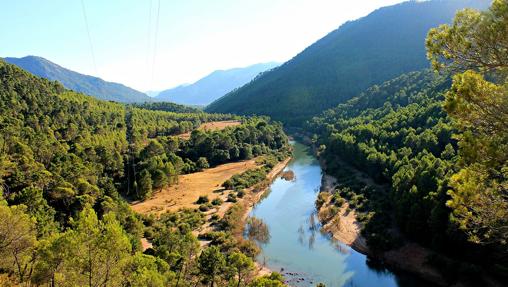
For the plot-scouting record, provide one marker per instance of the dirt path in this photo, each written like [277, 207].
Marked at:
[211, 126]
[190, 187]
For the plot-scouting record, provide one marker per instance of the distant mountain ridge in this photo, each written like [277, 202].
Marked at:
[213, 86]
[359, 54]
[75, 81]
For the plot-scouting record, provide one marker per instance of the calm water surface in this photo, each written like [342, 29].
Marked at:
[296, 245]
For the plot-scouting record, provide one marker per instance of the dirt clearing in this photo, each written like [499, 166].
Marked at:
[191, 186]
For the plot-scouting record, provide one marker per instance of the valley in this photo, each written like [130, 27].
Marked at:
[376, 156]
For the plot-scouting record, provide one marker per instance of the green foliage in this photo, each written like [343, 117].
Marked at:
[68, 145]
[254, 137]
[272, 280]
[17, 240]
[64, 160]
[164, 157]
[167, 107]
[396, 133]
[437, 150]
[202, 199]
[246, 179]
[211, 264]
[202, 163]
[475, 48]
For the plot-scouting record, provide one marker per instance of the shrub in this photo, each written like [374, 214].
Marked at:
[202, 199]
[232, 197]
[217, 201]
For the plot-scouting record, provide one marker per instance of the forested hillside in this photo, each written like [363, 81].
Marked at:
[438, 142]
[67, 161]
[398, 134]
[167, 107]
[214, 85]
[359, 54]
[78, 82]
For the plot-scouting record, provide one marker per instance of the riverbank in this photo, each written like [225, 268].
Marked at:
[410, 257]
[254, 195]
[345, 228]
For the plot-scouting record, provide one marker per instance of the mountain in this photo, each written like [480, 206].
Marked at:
[152, 94]
[213, 86]
[78, 82]
[381, 46]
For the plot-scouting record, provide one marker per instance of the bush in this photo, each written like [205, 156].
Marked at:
[246, 179]
[217, 201]
[321, 199]
[202, 199]
[202, 163]
[232, 197]
[203, 208]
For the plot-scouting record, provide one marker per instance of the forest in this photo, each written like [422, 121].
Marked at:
[68, 165]
[430, 145]
[358, 54]
[438, 141]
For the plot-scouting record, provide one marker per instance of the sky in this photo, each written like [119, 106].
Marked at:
[127, 42]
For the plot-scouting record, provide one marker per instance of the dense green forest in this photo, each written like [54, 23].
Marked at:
[167, 107]
[67, 161]
[430, 147]
[359, 54]
[439, 144]
[155, 161]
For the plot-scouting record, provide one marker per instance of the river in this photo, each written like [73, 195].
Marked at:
[297, 248]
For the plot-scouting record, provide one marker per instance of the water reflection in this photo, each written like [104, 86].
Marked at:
[295, 244]
[257, 230]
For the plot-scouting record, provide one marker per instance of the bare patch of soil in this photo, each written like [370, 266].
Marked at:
[191, 186]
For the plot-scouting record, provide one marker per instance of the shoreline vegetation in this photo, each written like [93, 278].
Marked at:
[241, 208]
[433, 144]
[343, 225]
[341, 221]
[239, 213]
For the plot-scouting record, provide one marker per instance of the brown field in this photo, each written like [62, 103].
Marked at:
[212, 126]
[191, 186]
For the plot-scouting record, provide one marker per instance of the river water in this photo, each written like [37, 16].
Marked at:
[297, 248]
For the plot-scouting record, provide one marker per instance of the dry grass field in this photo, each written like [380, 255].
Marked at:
[190, 187]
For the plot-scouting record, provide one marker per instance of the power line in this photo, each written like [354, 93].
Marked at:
[148, 43]
[155, 41]
[89, 37]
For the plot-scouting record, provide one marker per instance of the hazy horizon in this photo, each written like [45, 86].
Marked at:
[193, 38]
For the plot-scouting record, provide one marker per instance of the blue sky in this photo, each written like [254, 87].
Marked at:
[195, 37]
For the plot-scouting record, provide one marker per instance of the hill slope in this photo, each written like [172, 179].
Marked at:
[78, 82]
[361, 53]
[213, 86]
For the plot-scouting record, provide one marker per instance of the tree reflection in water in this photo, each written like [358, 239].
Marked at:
[257, 230]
